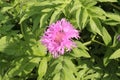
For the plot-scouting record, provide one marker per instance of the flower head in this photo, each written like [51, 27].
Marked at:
[118, 37]
[58, 37]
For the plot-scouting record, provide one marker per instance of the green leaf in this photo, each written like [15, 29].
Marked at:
[55, 16]
[97, 12]
[106, 59]
[27, 15]
[84, 18]
[69, 64]
[39, 50]
[106, 36]
[80, 45]
[22, 66]
[88, 4]
[6, 28]
[42, 68]
[0, 77]
[32, 63]
[78, 17]
[80, 53]
[4, 9]
[67, 74]
[43, 3]
[95, 26]
[82, 73]
[76, 6]
[3, 43]
[12, 46]
[60, 2]
[107, 0]
[57, 68]
[111, 22]
[44, 18]
[81, 17]
[115, 55]
[36, 22]
[1, 17]
[113, 16]
[57, 76]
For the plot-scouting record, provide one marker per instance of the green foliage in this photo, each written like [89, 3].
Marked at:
[23, 57]
[115, 54]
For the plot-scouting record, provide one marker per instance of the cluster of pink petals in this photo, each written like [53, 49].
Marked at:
[58, 37]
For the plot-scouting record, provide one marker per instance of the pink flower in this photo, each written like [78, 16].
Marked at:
[58, 37]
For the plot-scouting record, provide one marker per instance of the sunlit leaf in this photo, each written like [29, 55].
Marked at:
[67, 74]
[107, 0]
[77, 5]
[4, 9]
[57, 76]
[96, 26]
[42, 68]
[78, 16]
[106, 36]
[39, 50]
[58, 68]
[80, 53]
[81, 17]
[88, 4]
[112, 16]
[55, 16]
[23, 66]
[3, 43]
[97, 12]
[115, 55]
[43, 19]
[69, 64]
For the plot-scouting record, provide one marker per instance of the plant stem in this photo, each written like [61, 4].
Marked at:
[113, 29]
[21, 28]
[98, 42]
[87, 43]
[115, 6]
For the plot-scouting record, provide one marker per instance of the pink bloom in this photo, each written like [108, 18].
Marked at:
[58, 37]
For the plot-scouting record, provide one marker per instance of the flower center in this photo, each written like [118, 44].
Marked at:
[59, 36]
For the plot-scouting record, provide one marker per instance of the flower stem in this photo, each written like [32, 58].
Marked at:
[115, 6]
[87, 43]
[98, 42]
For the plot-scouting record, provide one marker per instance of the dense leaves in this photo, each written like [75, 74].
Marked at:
[23, 57]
